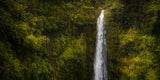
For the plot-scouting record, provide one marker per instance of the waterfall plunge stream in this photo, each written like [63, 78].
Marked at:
[100, 70]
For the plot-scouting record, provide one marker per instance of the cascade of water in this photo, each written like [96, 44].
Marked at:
[100, 70]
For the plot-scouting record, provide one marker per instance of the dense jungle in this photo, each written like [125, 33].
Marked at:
[56, 39]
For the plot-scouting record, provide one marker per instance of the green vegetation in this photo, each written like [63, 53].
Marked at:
[55, 39]
[133, 40]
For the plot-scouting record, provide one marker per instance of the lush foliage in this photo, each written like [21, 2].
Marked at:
[55, 39]
[47, 40]
[133, 40]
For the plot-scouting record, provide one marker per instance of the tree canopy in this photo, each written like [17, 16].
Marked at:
[55, 39]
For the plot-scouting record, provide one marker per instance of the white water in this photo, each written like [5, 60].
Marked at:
[100, 70]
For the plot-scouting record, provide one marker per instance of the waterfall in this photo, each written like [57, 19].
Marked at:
[100, 70]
